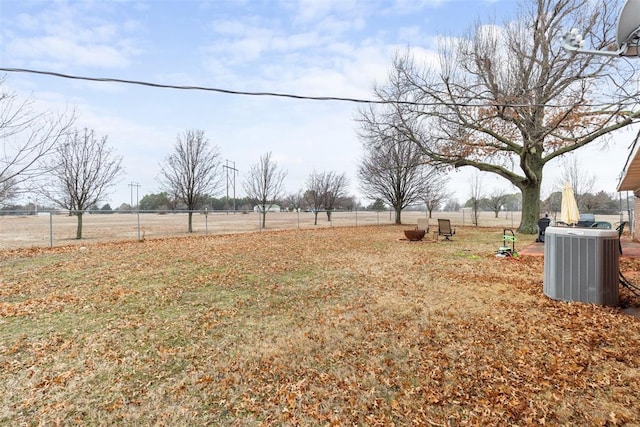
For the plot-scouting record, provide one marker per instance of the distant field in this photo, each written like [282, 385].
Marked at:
[43, 230]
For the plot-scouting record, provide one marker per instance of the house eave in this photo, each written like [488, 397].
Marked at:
[630, 180]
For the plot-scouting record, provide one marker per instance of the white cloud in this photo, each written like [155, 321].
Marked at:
[27, 22]
[62, 36]
[61, 52]
[412, 6]
[312, 11]
[230, 28]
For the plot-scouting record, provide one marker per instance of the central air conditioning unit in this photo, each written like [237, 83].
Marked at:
[581, 264]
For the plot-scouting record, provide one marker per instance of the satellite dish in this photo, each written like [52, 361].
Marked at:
[627, 36]
[628, 28]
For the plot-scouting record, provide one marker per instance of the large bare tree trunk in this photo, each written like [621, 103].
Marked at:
[530, 209]
[79, 226]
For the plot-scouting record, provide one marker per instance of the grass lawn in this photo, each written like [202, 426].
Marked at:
[306, 327]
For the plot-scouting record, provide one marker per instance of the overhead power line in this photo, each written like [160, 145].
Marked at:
[283, 95]
[198, 88]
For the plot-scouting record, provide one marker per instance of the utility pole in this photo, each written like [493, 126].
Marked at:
[233, 171]
[137, 186]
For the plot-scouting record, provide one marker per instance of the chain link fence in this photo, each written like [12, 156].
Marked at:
[22, 229]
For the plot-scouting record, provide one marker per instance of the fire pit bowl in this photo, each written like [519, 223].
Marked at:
[414, 235]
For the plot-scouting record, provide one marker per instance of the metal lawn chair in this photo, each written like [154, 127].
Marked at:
[444, 228]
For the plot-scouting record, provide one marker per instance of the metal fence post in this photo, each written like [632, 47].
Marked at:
[50, 229]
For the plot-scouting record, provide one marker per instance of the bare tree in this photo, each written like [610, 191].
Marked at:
[82, 170]
[553, 203]
[324, 189]
[336, 186]
[496, 201]
[434, 189]
[313, 196]
[348, 203]
[452, 205]
[264, 184]
[593, 202]
[475, 187]
[392, 168]
[508, 100]
[295, 200]
[581, 181]
[193, 171]
[8, 190]
[27, 137]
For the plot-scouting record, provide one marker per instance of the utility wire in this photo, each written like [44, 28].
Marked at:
[284, 95]
[200, 88]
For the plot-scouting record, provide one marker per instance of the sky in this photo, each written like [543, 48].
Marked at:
[337, 48]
